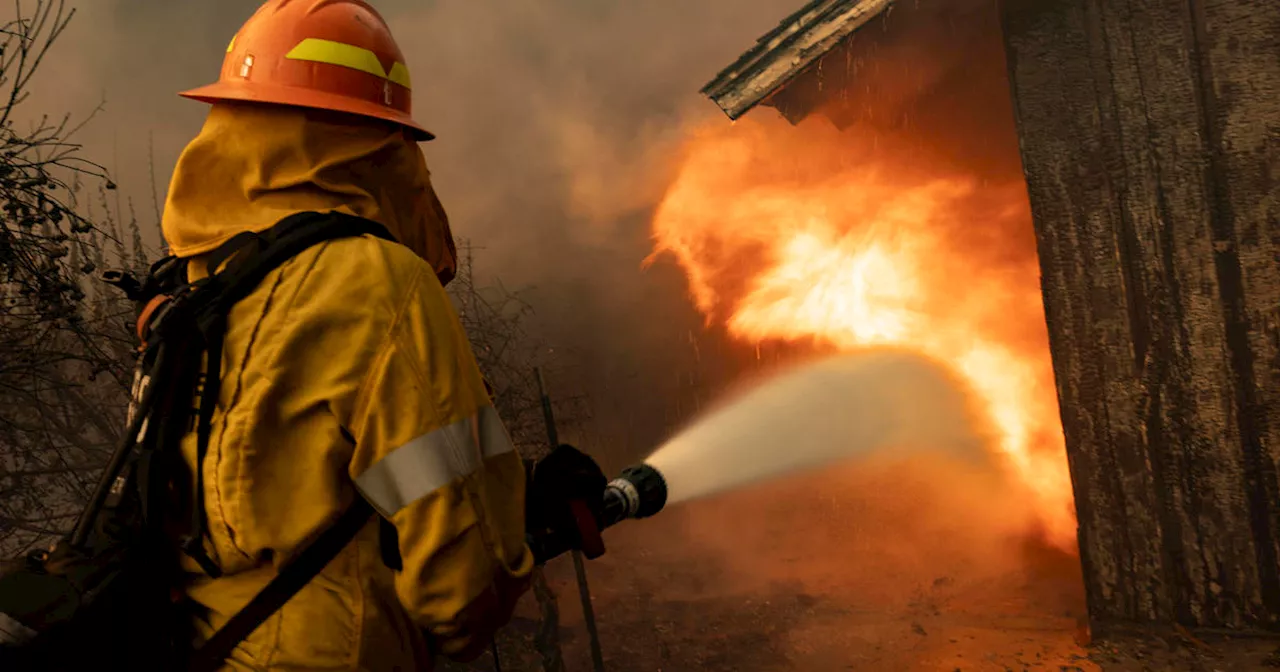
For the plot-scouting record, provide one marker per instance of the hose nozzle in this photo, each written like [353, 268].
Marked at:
[639, 492]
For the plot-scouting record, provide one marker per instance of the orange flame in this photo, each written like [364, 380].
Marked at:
[784, 237]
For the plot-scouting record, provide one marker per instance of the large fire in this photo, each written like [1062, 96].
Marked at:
[808, 234]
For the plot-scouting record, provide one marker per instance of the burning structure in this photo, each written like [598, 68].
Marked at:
[1071, 203]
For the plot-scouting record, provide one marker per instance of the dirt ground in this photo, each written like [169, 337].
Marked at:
[897, 569]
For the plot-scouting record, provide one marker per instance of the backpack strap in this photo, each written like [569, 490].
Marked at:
[283, 587]
[251, 260]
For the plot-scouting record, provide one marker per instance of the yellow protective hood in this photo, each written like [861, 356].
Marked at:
[253, 165]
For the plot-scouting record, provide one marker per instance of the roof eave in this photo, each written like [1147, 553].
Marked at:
[787, 50]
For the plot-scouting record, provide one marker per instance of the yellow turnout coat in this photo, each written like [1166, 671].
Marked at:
[346, 374]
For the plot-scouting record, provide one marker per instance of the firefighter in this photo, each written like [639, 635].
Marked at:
[346, 373]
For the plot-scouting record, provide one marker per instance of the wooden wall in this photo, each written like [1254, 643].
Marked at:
[1150, 137]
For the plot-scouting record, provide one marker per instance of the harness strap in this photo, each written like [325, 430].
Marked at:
[144, 318]
[283, 587]
[215, 259]
[248, 267]
[193, 546]
[119, 457]
[252, 257]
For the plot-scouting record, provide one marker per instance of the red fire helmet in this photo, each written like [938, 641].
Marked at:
[327, 54]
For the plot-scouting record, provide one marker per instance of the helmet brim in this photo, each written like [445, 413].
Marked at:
[275, 94]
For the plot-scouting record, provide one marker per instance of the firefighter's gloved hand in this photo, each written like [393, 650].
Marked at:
[564, 475]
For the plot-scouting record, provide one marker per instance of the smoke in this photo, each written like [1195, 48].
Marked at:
[566, 106]
[853, 405]
[558, 123]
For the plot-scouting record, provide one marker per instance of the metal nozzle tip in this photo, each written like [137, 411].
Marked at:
[650, 489]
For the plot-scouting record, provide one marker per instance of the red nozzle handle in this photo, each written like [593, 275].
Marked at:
[588, 530]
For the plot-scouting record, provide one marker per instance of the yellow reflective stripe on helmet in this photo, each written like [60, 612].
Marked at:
[317, 50]
[232, 45]
[431, 461]
[400, 75]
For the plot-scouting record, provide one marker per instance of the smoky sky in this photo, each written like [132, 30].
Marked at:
[557, 124]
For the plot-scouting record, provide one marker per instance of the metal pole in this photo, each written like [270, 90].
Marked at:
[579, 567]
[548, 415]
[547, 638]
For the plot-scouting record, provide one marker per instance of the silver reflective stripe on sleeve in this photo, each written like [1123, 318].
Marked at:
[431, 461]
[13, 633]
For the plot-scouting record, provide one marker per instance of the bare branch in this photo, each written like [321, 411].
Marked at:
[58, 333]
[494, 318]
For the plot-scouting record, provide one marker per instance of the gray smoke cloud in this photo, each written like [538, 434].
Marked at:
[557, 120]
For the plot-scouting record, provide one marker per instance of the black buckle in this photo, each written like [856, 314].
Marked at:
[123, 281]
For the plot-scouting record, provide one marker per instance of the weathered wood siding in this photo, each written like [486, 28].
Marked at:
[1150, 135]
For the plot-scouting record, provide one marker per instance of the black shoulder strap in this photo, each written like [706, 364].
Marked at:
[252, 258]
[282, 588]
[290, 237]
